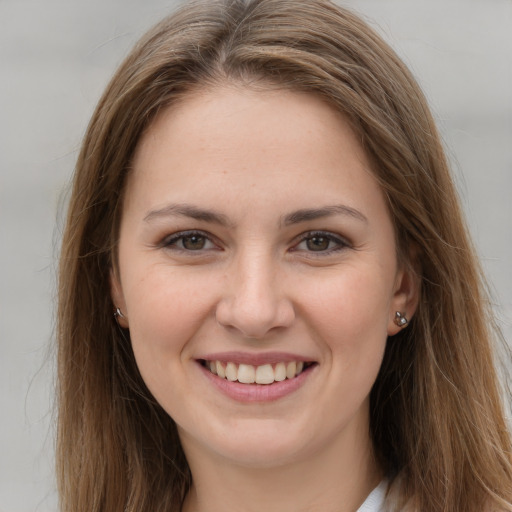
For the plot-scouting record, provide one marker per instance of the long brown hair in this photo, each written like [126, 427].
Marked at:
[437, 421]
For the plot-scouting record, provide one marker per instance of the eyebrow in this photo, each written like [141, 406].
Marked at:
[296, 217]
[188, 210]
[325, 211]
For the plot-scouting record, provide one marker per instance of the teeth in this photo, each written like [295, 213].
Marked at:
[231, 372]
[249, 374]
[246, 373]
[264, 374]
[280, 372]
[291, 370]
[221, 372]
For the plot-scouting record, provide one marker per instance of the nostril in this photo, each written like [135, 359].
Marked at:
[255, 319]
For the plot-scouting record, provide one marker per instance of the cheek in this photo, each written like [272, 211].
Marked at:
[165, 311]
[349, 315]
[356, 301]
[165, 314]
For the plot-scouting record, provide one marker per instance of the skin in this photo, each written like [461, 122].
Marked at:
[254, 283]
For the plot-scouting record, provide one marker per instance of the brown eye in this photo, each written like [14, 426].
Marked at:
[322, 243]
[194, 242]
[318, 243]
[189, 241]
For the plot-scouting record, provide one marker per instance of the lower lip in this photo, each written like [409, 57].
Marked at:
[257, 392]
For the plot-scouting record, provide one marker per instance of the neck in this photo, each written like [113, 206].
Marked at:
[337, 479]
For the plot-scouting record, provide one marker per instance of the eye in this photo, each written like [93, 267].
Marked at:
[320, 242]
[189, 241]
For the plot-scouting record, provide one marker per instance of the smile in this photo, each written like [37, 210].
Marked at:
[262, 374]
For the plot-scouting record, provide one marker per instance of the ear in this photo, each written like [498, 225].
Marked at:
[406, 294]
[116, 292]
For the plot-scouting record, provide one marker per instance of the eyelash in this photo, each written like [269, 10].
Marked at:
[340, 243]
[172, 241]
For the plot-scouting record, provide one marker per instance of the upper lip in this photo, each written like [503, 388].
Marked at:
[255, 359]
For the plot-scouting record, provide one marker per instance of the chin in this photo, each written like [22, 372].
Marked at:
[251, 455]
[252, 443]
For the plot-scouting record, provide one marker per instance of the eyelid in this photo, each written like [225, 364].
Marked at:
[342, 242]
[169, 241]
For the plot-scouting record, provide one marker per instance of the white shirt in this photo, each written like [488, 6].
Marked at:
[375, 499]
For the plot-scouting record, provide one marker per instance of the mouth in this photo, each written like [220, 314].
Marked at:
[264, 374]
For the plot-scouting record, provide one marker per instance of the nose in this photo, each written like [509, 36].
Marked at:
[255, 300]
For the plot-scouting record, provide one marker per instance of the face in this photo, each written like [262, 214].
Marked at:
[258, 274]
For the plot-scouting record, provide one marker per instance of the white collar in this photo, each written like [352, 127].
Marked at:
[375, 499]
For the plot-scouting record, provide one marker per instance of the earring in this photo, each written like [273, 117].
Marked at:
[118, 314]
[400, 319]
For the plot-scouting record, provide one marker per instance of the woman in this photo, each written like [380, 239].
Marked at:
[268, 299]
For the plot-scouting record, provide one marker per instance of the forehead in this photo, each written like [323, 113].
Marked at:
[230, 115]
[227, 142]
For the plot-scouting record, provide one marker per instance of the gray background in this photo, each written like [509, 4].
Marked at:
[56, 57]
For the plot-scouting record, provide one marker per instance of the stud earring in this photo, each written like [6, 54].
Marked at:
[400, 319]
[118, 314]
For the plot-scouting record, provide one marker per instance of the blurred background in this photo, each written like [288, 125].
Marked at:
[56, 58]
